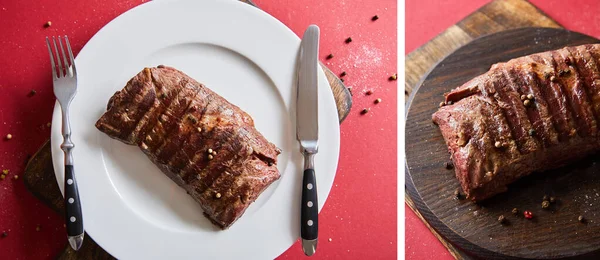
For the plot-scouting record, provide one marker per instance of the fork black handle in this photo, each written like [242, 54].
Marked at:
[73, 215]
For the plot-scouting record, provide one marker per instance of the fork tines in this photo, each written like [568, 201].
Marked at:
[65, 67]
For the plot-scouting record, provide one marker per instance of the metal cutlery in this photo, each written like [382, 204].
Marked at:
[64, 79]
[307, 133]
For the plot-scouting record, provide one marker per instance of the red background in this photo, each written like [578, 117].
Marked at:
[427, 18]
[360, 214]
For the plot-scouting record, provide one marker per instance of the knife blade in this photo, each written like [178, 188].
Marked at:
[307, 133]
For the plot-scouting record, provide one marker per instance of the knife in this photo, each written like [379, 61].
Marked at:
[307, 132]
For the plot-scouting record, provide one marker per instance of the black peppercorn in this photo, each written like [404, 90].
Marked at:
[374, 18]
[349, 40]
[330, 56]
[581, 219]
[448, 165]
[531, 132]
[515, 211]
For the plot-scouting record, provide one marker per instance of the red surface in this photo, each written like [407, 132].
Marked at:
[427, 18]
[360, 214]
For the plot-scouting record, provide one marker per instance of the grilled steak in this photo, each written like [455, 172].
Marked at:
[205, 144]
[529, 114]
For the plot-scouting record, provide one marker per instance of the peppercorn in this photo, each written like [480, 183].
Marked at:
[457, 194]
[4, 234]
[498, 144]
[553, 78]
[369, 92]
[552, 199]
[530, 96]
[270, 164]
[581, 219]
[210, 150]
[501, 219]
[515, 211]
[199, 129]
[545, 204]
[531, 132]
[342, 80]
[545, 197]
[523, 97]
[163, 95]
[449, 165]
[364, 111]
[8, 136]
[2, 176]
[343, 74]
[5, 171]
[48, 24]
[377, 101]
[218, 195]
[330, 56]
[210, 157]
[348, 40]
[394, 77]
[32, 92]
[16, 177]
[374, 18]
[527, 103]
[528, 214]
[564, 72]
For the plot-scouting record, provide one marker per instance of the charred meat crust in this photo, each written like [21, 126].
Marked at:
[529, 114]
[202, 142]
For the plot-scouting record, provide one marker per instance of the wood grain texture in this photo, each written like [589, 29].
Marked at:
[504, 14]
[498, 15]
[39, 176]
[554, 232]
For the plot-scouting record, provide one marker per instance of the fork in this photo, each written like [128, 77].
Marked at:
[64, 79]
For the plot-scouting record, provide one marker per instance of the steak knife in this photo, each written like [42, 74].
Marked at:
[307, 132]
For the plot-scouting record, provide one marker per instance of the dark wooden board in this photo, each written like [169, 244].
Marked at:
[39, 176]
[496, 16]
[553, 233]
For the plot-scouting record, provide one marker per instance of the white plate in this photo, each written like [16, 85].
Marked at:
[133, 210]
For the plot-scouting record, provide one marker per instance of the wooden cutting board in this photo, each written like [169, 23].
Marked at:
[40, 181]
[496, 16]
[552, 233]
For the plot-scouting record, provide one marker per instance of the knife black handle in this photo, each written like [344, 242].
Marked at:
[73, 215]
[309, 213]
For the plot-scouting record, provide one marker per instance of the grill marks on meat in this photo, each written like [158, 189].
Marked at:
[560, 124]
[175, 120]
